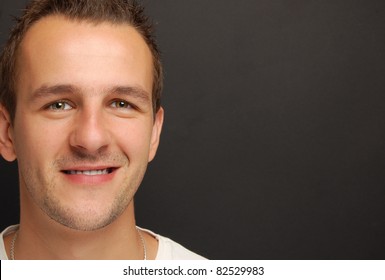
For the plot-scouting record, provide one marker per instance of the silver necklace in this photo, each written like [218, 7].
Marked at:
[12, 250]
[143, 244]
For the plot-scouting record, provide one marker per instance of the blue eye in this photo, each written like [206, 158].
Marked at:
[121, 104]
[60, 106]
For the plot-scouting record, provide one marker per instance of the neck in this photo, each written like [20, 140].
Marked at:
[43, 238]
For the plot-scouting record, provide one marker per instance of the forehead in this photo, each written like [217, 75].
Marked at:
[60, 27]
[58, 50]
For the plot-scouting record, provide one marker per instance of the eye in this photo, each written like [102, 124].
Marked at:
[60, 106]
[121, 104]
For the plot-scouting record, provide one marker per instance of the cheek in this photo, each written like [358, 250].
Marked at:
[35, 141]
[134, 139]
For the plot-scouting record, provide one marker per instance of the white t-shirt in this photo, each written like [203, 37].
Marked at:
[167, 249]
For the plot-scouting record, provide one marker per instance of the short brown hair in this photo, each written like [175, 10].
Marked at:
[95, 11]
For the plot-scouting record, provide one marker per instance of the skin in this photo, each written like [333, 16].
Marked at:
[83, 104]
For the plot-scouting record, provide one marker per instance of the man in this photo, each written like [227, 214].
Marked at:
[80, 111]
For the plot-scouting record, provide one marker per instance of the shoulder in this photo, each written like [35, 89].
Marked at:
[171, 250]
[8, 230]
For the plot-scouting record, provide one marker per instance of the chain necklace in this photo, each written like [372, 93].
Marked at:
[143, 244]
[12, 250]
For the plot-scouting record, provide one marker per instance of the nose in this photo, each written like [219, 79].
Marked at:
[90, 132]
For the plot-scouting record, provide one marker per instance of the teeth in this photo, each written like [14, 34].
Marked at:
[89, 172]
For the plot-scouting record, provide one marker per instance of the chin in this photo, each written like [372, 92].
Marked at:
[91, 218]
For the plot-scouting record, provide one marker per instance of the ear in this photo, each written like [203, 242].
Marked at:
[6, 135]
[156, 130]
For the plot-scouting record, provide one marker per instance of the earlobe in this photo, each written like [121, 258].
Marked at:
[6, 139]
[156, 131]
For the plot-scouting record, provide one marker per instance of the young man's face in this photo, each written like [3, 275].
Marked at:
[84, 129]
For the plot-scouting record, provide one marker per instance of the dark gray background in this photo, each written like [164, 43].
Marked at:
[273, 146]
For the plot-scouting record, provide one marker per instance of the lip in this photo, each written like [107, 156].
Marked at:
[73, 174]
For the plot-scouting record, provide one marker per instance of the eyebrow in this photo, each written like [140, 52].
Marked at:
[135, 92]
[45, 91]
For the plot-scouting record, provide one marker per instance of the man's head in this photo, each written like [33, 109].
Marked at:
[92, 11]
[84, 126]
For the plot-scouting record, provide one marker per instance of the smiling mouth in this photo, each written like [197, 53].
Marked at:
[90, 172]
